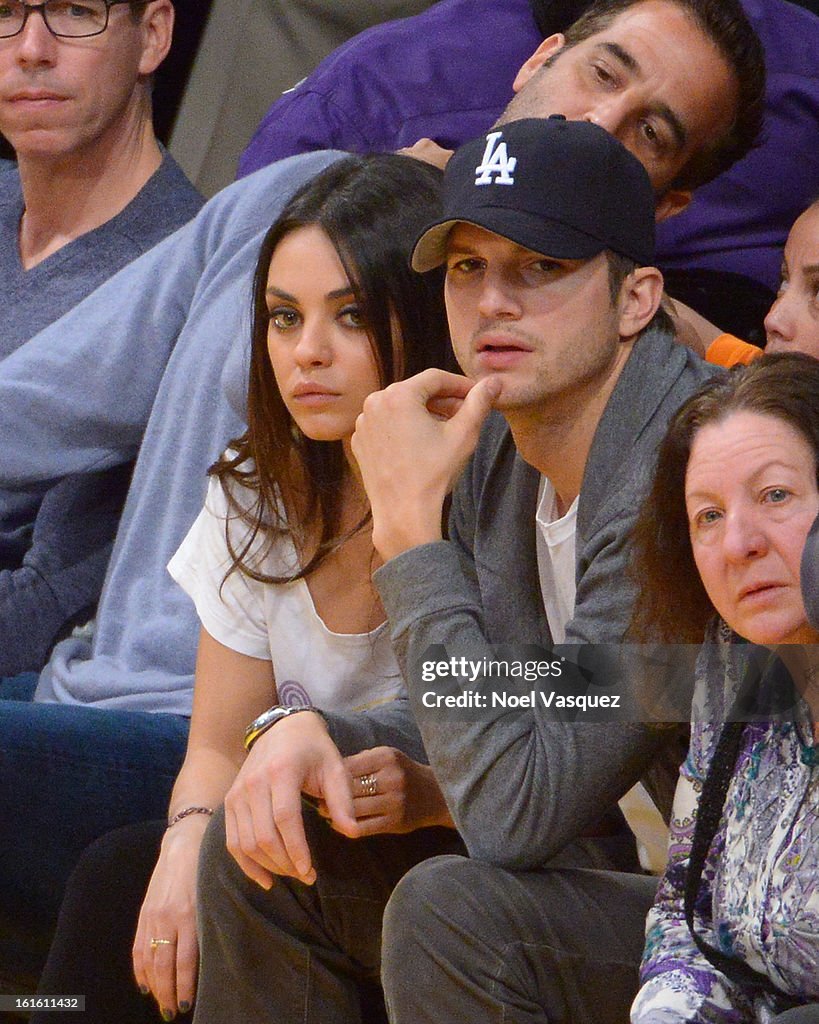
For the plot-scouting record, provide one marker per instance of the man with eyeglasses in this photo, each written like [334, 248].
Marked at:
[92, 190]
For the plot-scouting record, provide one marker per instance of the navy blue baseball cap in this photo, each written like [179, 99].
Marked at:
[565, 189]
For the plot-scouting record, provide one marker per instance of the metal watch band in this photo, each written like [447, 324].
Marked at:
[268, 718]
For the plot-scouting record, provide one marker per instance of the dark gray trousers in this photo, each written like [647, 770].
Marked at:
[569, 941]
[467, 942]
[301, 954]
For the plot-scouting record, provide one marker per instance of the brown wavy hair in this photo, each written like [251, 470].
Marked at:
[372, 208]
[672, 605]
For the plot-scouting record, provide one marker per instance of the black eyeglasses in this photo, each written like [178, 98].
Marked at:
[63, 19]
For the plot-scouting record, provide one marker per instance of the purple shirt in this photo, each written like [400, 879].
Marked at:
[447, 74]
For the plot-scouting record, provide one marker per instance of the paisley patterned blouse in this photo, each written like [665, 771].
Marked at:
[759, 896]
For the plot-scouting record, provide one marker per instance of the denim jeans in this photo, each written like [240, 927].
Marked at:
[68, 774]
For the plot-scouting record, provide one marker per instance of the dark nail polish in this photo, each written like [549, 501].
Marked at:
[184, 1006]
[144, 989]
[168, 1014]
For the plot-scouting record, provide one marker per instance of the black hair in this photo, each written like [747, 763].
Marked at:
[372, 208]
[725, 23]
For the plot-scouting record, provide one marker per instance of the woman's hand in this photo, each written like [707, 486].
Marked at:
[169, 969]
[693, 330]
[406, 796]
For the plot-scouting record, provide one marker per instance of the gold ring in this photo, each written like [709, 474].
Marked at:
[369, 784]
[160, 942]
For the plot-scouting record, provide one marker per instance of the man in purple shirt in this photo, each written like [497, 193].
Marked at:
[447, 75]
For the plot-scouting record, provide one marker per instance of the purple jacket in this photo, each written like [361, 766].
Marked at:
[447, 74]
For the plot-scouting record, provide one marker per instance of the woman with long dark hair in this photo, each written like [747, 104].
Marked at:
[279, 561]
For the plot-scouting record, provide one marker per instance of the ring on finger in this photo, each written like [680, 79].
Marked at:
[369, 784]
[156, 943]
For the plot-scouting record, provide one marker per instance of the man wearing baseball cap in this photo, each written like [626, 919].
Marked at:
[547, 234]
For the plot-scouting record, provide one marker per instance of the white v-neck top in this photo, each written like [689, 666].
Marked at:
[279, 622]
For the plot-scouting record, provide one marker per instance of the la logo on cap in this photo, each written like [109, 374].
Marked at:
[496, 166]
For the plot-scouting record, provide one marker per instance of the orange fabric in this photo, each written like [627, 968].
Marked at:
[726, 350]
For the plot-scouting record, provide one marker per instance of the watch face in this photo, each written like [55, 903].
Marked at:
[269, 718]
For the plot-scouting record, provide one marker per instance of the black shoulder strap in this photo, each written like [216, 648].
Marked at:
[712, 801]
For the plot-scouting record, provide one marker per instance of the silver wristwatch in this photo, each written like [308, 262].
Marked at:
[269, 718]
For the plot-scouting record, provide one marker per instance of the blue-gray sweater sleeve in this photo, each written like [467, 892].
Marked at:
[77, 396]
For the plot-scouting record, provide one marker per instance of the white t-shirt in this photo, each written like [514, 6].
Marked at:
[556, 559]
[279, 622]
